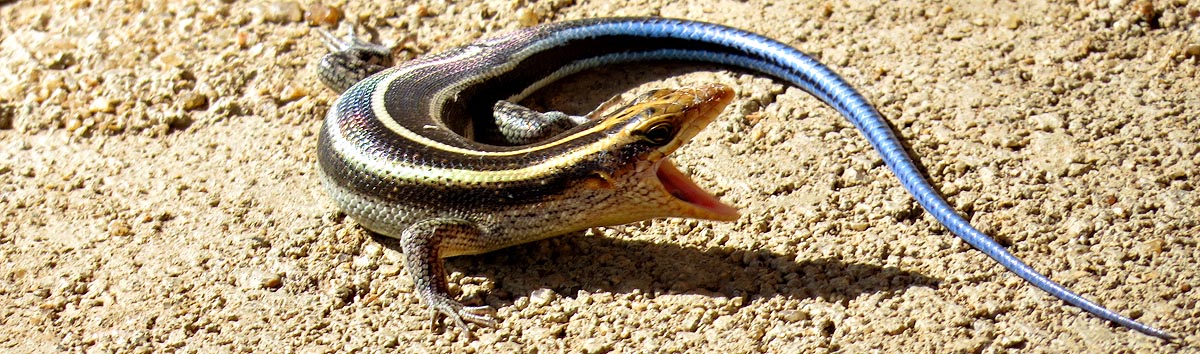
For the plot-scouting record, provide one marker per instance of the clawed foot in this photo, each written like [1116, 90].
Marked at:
[352, 41]
[351, 59]
[460, 315]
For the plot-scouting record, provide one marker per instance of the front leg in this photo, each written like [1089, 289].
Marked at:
[520, 125]
[422, 244]
[350, 60]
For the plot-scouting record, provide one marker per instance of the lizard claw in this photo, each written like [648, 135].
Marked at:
[352, 41]
[460, 315]
[350, 60]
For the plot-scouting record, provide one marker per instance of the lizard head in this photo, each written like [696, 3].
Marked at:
[646, 131]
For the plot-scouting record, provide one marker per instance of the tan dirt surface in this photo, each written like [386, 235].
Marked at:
[159, 191]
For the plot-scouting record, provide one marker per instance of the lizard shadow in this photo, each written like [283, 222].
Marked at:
[575, 263]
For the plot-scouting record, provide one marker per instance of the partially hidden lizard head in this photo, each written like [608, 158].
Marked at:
[641, 135]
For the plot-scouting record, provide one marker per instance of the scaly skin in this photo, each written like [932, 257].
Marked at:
[426, 151]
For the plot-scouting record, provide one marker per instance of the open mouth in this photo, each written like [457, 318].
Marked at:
[699, 203]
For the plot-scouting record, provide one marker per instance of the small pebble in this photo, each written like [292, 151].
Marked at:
[794, 315]
[364, 262]
[896, 326]
[1010, 341]
[244, 40]
[61, 60]
[753, 118]
[853, 177]
[1047, 121]
[170, 59]
[258, 279]
[596, 346]
[192, 101]
[542, 297]
[527, 17]
[1012, 22]
[102, 105]
[373, 250]
[1078, 229]
[1145, 10]
[321, 14]
[119, 228]
[1192, 51]
[417, 10]
[283, 11]
[389, 270]
[691, 323]
[174, 119]
[291, 93]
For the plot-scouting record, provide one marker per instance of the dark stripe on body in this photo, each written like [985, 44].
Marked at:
[443, 194]
[408, 100]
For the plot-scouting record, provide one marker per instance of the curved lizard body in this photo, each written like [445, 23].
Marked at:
[432, 152]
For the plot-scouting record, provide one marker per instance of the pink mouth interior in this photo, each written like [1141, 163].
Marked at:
[681, 186]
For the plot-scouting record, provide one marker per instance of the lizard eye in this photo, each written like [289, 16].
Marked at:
[660, 134]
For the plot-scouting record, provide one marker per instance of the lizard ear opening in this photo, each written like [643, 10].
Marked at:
[598, 180]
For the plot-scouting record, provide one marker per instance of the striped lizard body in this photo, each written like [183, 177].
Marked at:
[431, 152]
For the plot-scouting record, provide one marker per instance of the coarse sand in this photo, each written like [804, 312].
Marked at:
[159, 190]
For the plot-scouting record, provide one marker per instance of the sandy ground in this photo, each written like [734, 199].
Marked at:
[159, 194]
